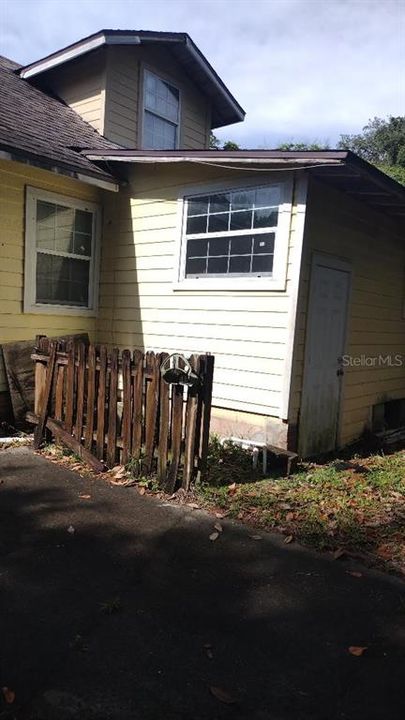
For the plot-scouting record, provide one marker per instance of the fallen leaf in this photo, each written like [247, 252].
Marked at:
[9, 695]
[214, 536]
[218, 527]
[338, 553]
[255, 537]
[118, 471]
[85, 497]
[232, 487]
[357, 650]
[354, 573]
[71, 530]
[142, 490]
[384, 551]
[222, 695]
[290, 516]
[193, 505]
[288, 539]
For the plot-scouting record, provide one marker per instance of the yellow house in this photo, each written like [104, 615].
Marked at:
[117, 219]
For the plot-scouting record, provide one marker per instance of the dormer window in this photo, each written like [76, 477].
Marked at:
[161, 102]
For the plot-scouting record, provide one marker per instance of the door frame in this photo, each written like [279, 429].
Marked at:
[332, 262]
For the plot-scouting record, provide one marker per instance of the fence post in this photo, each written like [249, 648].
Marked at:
[206, 412]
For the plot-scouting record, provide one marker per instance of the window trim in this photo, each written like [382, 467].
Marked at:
[275, 282]
[164, 78]
[32, 195]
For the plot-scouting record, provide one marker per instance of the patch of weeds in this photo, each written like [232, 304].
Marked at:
[228, 463]
[356, 505]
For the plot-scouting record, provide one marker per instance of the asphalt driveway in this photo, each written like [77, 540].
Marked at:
[118, 606]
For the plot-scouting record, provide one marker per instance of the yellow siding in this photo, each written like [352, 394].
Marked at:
[246, 330]
[124, 96]
[81, 84]
[375, 248]
[14, 323]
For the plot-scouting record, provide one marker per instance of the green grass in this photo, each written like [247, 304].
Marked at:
[357, 506]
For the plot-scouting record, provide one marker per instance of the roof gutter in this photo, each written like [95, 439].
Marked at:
[108, 157]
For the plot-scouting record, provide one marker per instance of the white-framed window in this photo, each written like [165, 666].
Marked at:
[161, 112]
[236, 237]
[61, 254]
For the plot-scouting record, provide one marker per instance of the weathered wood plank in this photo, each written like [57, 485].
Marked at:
[70, 387]
[208, 376]
[137, 404]
[56, 428]
[126, 406]
[176, 437]
[112, 412]
[81, 370]
[60, 382]
[190, 430]
[39, 430]
[164, 425]
[91, 394]
[151, 409]
[102, 378]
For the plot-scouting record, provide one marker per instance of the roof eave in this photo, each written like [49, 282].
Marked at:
[103, 181]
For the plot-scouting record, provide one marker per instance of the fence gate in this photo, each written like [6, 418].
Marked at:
[114, 407]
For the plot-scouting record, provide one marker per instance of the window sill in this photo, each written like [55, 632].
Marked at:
[228, 285]
[39, 309]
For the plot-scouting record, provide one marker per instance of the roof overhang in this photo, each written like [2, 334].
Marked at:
[226, 109]
[340, 168]
[104, 181]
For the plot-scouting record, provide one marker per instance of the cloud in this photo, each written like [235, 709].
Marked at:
[302, 69]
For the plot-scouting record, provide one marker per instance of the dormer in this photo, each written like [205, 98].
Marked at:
[140, 89]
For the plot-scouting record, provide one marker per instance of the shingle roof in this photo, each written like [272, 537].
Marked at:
[36, 125]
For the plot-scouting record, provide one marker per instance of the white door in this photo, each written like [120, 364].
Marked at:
[325, 345]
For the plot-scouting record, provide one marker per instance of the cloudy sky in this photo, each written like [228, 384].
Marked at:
[302, 69]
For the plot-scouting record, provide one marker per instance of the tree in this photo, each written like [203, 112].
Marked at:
[215, 144]
[382, 143]
[297, 146]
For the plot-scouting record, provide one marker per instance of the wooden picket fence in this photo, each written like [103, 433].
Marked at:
[114, 407]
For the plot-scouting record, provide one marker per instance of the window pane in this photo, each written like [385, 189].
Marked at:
[241, 245]
[218, 223]
[219, 246]
[197, 248]
[45, 225]
[240, 264]
[218, 265]
[266, 197]
[241, 220]
[263, 244]
[84, 222]
[197, 224]
[243, 199]
[196, 266]
[262, 263]
[199, 206]
[265, 218]
[61, 280]
[82, 244]
[219, 203]
[159, 134]
[161, 97]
